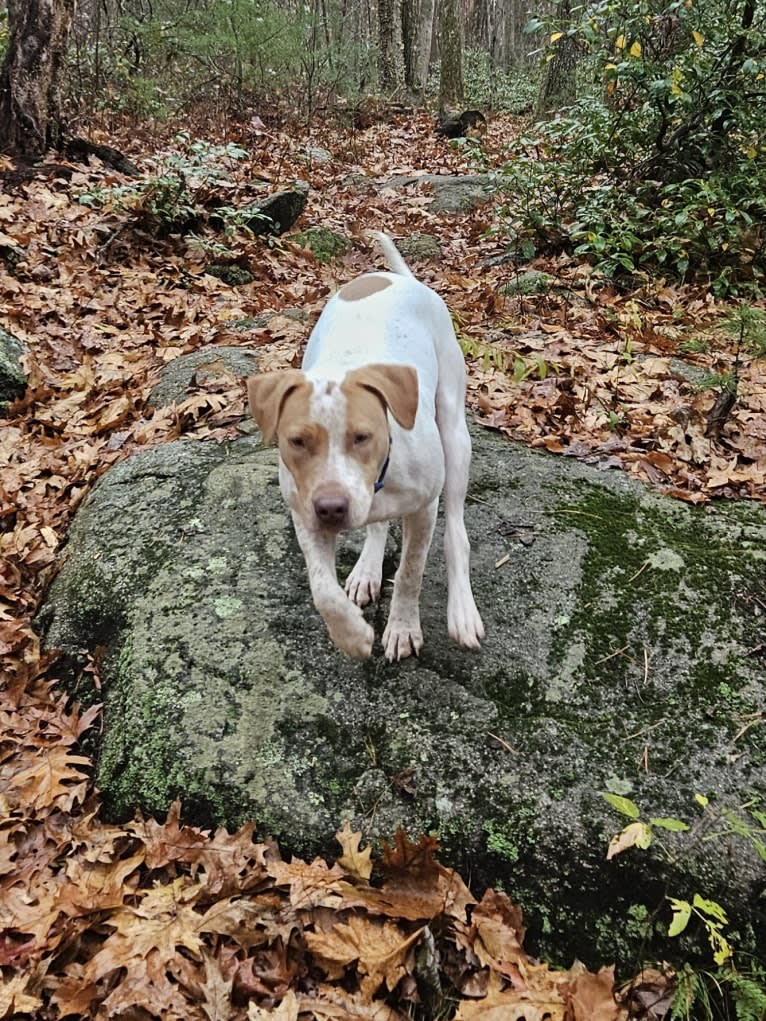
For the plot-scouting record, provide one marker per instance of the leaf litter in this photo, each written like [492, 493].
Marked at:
[150, 919]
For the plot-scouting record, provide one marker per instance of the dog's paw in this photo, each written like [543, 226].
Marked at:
[402, 639]
[363, 585]
[351, 633]
[464, 623]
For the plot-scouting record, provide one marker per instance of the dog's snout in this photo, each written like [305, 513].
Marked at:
[331, 508]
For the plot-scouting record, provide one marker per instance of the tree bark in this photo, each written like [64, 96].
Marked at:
[451, 39]
[32, 76]
[425, 34]
[559, 87]
[390, 49]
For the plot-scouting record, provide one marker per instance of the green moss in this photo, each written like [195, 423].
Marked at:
[502, 841]
[325, 244]
[229, 273]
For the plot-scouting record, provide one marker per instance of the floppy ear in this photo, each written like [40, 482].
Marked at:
[267, 393]
[396, 385]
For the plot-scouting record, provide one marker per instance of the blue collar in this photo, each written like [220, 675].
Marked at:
[379, 484]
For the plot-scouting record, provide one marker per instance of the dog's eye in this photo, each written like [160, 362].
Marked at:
[297, 442]
[360, 438]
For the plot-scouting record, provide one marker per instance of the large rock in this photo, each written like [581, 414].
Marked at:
[624, 651]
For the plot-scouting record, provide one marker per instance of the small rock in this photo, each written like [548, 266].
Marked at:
[273, 215]
[316, 154]
[177, 378]
[531, 281]
[13, 379]
[693, 374]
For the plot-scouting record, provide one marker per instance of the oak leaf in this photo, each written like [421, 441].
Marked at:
[354, 862]
[379, 948]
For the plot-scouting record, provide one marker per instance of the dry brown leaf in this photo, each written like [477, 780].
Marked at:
[355, 863]
[511, 1005]
[286, 1011]
[378, 948]
[333, 1002]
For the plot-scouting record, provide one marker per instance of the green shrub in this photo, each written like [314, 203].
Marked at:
[174, 198]
[659, 168]
[566, 191]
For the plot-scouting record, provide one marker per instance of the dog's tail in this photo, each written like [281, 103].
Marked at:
[393, 258]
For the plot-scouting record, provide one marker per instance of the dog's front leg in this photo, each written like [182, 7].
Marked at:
[363, 584]
[403, 635]
[344, 620]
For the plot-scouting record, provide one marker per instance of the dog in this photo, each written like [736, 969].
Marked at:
[372, 427]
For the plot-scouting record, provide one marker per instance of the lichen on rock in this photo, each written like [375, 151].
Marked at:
[622, 651]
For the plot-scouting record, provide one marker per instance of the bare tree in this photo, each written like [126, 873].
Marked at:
[31, 76]
[559, 86]
[422, 42]
[390, 47]
[451, 45]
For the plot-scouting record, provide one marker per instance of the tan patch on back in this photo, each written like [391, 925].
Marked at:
[363, 287]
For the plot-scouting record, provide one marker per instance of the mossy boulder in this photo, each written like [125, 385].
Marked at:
[419, 248]
[624, 652]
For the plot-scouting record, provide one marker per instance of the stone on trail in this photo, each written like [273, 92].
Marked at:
[624, 653]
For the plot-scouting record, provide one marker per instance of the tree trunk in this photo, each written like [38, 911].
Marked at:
[425, 39]
[410, 41]
[390, 49]
[451, 87]
[32, 76]
[559, 87]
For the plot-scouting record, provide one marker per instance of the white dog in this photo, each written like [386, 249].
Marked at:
[373, 428]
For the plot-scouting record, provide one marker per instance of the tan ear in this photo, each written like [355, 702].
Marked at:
[396, 385]
[266, 394]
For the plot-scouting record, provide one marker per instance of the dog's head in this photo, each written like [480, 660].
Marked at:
[334, 435]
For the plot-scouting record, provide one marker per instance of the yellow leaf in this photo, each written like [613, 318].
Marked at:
[555, 36]
[699, 38]
[635, 49]
[620, 42]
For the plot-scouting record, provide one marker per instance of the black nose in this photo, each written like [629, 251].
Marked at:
[331, 509]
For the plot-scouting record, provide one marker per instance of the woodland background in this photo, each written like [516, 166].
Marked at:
[626, 152]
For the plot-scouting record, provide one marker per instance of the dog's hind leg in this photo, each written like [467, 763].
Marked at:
[363, 584]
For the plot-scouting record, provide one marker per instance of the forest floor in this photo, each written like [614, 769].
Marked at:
[152, 919]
